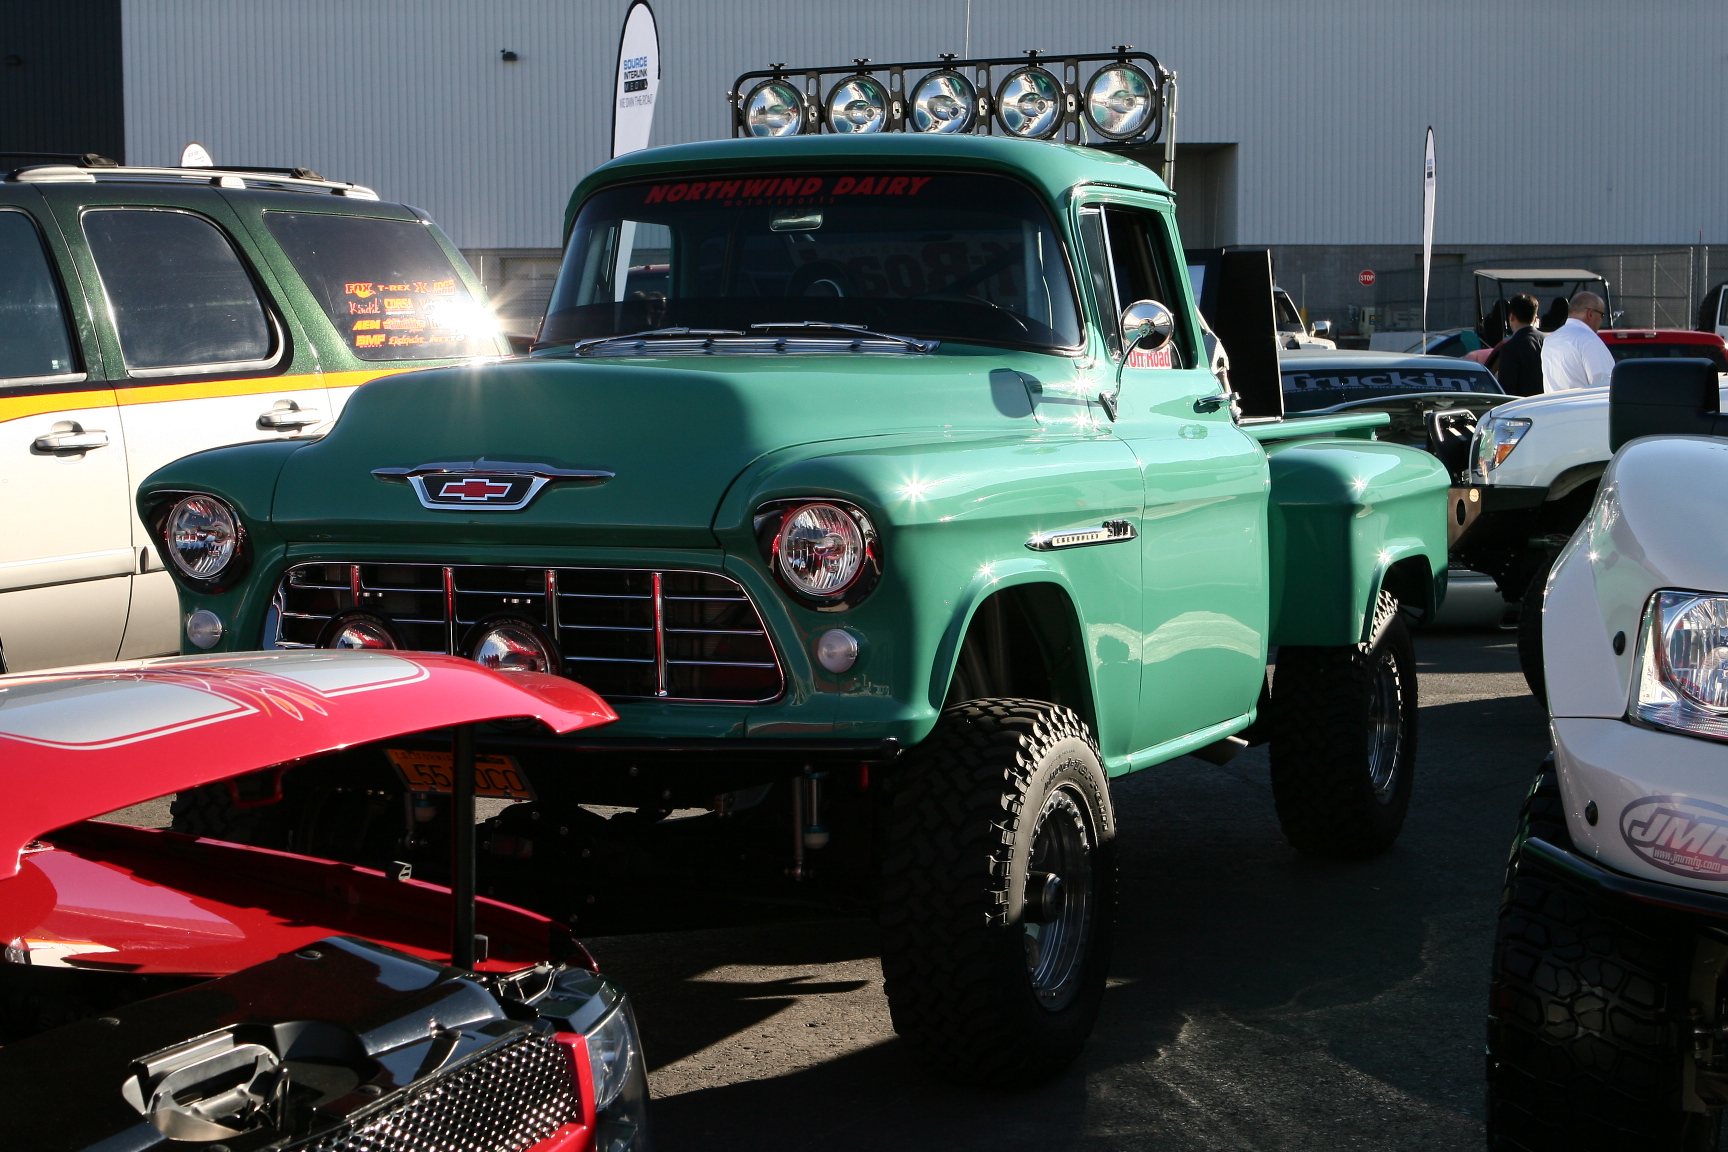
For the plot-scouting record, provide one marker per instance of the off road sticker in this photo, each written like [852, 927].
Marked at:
[1680, 835]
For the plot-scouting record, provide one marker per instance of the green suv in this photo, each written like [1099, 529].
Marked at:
[892, 491]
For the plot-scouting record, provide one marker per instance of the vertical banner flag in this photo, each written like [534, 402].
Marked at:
[1427, 226]
[637, 81]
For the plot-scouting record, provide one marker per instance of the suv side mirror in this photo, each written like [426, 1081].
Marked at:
[1321, 328]
[1146, 324]
[1663, 398]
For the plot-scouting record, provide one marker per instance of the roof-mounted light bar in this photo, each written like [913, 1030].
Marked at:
[1118, 97]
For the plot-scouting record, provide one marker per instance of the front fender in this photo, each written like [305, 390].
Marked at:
[1343, 513]
[954, 516]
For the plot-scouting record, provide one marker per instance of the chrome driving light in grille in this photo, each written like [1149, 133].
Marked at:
[624, 632]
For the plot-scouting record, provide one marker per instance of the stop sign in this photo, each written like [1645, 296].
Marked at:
[1366, 276]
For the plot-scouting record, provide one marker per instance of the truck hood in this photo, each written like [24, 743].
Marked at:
[673, 432]
[1571, 400]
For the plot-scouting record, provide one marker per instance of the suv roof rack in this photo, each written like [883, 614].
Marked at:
[89, 168]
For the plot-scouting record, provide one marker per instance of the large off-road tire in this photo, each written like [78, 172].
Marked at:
[994, 971]
[1588, 1018]
[1344, 740]
[1530, 632]
[209, 810]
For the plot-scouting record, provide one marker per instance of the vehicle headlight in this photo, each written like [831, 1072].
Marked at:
[820, 549]
[512, 644]
[858, 104]
[202, 535]
[362, 631]
[612, 1048]
[944, 101]
[1681, 680]
[774, 108]
[1120, 101]
[1029, 103]
[1495, 439]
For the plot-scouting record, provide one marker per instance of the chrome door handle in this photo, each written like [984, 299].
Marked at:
[278, 419]
[74, 439]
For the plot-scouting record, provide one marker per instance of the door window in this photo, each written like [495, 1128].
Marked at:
[180, 297]
[35, 341]
[1139, 268]
[387, 286]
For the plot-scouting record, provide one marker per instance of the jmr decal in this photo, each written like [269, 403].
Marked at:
[1679, 835]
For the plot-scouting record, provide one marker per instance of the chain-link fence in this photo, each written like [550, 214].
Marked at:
[1656, 288]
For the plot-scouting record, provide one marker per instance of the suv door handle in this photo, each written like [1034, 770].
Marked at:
[73, 439]
[278, 419]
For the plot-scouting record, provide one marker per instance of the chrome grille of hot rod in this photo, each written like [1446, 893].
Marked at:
[624, 632]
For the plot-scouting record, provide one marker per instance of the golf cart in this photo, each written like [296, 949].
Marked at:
[1495, 288]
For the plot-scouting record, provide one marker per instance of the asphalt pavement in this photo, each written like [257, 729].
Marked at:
[1257, 1000]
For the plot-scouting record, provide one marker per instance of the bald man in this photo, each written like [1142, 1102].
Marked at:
[1573, 356]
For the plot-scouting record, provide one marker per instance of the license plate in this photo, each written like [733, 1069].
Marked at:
[495, 776]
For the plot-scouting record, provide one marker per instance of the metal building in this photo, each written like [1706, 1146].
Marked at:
[1567, 129]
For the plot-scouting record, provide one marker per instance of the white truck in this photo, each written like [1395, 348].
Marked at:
[1608, 1018]
[1534, 467]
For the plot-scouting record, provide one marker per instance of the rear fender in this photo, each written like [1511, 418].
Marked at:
[1347, 517]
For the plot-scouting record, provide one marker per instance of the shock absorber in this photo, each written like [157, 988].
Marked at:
[808, 831]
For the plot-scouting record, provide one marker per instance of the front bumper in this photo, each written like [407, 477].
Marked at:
[1658, 799]
[1484, 517]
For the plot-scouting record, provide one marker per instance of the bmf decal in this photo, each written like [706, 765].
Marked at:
[1677, 834]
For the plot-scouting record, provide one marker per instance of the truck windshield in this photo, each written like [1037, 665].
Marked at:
[940, 256]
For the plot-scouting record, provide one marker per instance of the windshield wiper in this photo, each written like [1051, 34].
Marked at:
[652, 334]
[854, 329]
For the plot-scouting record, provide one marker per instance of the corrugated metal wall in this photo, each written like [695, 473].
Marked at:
[1574, 122]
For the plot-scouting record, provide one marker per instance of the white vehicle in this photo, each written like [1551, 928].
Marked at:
[1535, 464]
[1608, 1024]
[149, 313]
[1293, 332]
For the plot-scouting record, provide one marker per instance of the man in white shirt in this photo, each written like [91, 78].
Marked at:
[1573, 356]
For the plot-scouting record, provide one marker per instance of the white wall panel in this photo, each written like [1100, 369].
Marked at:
[1575, 122]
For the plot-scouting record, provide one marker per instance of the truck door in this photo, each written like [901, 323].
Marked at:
[66, 546]
[1203, 534]
[203, 355]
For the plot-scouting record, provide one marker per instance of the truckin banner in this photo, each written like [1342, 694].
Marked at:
[637, 81]
[1427, 226]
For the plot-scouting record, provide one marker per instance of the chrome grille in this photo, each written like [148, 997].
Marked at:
[506, 1101]
[624, 632]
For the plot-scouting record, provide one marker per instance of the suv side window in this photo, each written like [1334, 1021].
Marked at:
[35, 341]
[180, 297]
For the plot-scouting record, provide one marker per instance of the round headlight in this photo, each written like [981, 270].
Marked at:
[1029, 103]
[1695, 647]
[1121, 101]
[858, 104]
[944, 101]
[774, 108]
[359, 630]
[202, 535]
[820, 549]
[511, 644]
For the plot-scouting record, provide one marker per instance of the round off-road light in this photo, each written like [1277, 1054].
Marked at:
[512, 644]
[1029, 103]
[1120, 101]
[774, 108]
[944, 101]
[202, 534]
[820, 550]
[858, 104]
[837, 650]
[359, 631]
[204, 629]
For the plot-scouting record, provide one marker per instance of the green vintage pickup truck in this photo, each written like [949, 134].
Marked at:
[892, 490]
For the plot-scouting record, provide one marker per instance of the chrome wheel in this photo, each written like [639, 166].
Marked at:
[1057, 915]
[1385, 727]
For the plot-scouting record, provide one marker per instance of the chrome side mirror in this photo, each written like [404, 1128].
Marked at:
[1146, 324]
[1322, 328]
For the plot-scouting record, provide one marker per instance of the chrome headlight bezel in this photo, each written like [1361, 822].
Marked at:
[1675, 686]
[769, 522]
[1497, 437]
[236, 555]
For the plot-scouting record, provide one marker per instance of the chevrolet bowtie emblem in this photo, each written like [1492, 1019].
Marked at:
[485, 485]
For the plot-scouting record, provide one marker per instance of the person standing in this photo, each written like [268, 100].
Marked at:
[1573, 356]
[1518, 362]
